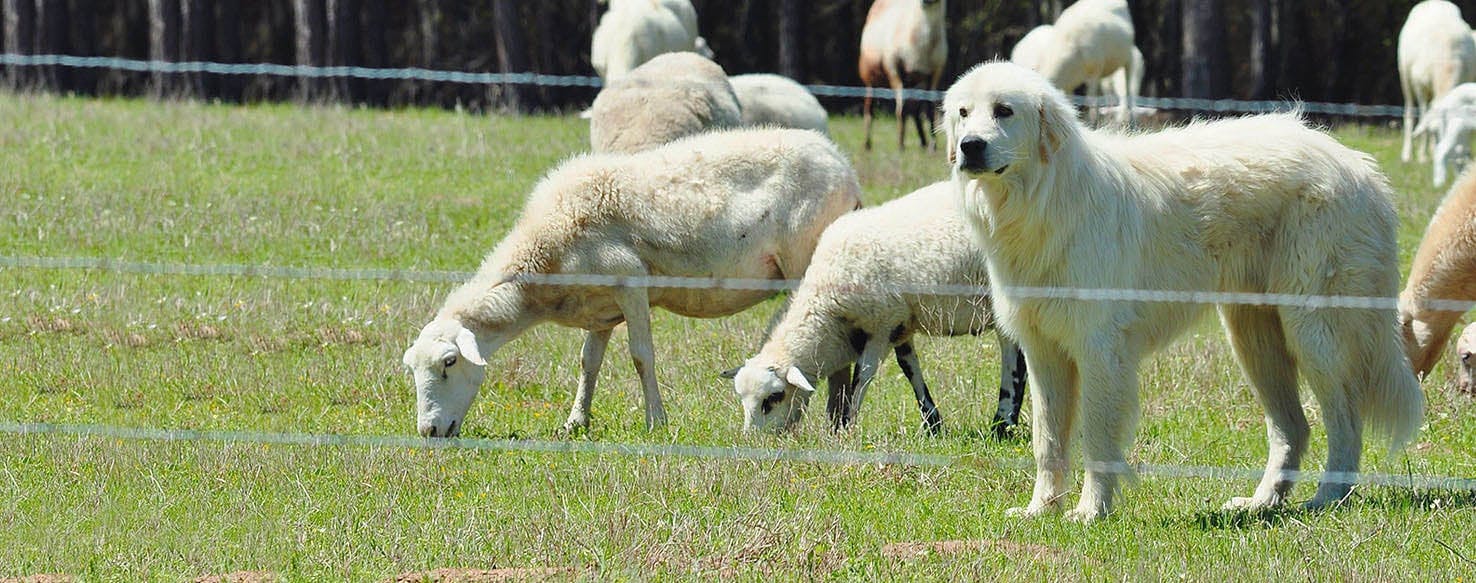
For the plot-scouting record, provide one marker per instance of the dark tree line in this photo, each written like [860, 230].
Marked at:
[1321, 50]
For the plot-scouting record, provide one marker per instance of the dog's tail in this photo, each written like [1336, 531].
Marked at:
[1393, 403]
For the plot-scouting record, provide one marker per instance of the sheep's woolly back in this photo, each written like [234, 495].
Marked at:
[918, 240]
[1436, 50]
[632, 32]
[1446, 261]
[672, 96]
[1092, 39]
[775, 100]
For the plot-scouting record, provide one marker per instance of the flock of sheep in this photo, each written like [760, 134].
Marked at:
[694, 174]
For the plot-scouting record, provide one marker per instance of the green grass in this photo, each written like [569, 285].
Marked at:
[343, 188]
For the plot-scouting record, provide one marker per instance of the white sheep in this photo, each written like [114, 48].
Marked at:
[672, 96]
[844, 313]
[776, 100]
[1465, 348]
[1030, 52]
[1436, 53]
[1450, 120]
[633, 32]
[904, 44]
[744, 204]
[1444, 268]
[1091, 41]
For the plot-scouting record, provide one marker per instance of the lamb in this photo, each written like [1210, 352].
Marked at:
[904, 43]
[673, 96]
[842, 314]
[1092, 40]
[1444, 268]
[633, 32]
[1436, 53]
[744, 204]
[775, 100]
[1126, 82]
[1450, 120]
[1465, 347]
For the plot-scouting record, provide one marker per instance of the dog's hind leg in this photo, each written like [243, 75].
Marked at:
[1053, 389]
[1260, 346]
[1109, 414]
[1322, 358]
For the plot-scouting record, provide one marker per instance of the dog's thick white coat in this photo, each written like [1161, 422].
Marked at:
[1259, 204]
[844, 313]
[1436, 53]
[743, 204]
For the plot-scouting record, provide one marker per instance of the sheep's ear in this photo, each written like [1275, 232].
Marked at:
[797, 378]
[730, 373]
[466, 342]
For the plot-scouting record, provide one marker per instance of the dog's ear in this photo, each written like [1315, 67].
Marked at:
[1053, 127]
[948, 122]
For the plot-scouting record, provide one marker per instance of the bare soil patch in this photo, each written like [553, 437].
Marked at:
[240, 577]
[485, 575]
[38, 579]
[909, 551]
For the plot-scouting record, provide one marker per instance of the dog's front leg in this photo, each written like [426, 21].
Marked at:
[1053, 394]
[1109, 387]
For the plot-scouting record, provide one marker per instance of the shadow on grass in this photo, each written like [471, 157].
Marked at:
[1418, 498]
[1207, 520]
[1387, 499]
[1017, 434]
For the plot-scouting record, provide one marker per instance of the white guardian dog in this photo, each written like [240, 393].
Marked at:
[1259, 204]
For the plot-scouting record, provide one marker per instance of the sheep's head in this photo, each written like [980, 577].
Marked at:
[1465, 347]
[771, 399]
[448, 367]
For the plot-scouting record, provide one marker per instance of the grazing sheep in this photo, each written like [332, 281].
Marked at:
[1450, 120]
[903, 44]
[776, 100]
[1091, 41]
[673, 96]
[1436, 53]
[843, 313]
[633, 32]
[1465, 347]
[745, 204]
[1031, 52]
[1444, 268]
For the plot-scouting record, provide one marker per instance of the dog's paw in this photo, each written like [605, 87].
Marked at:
[1032, 511]
[1250, 503]
[1085, 515]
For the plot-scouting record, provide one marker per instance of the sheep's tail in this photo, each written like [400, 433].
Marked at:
[1393, 404]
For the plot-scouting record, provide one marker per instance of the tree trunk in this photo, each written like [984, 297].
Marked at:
[430, 46]
[343, 46]
[82, 40]
[308, 18]
[164, 43]
[228, 48]
[791, 39]
[512, 51]
[20, 38]
[375, 51]
[195, 17]
[51, 39]
[1262, 55]
[1202, 61]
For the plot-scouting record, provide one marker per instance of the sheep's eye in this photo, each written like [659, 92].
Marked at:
[1002, 111]
[1466, 357]
[772, 400]
[963, 112]
[449, 362]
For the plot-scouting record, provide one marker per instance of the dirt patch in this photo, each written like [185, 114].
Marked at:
[240, 577]
[908, 551]
[38, 579]
[40, 324]
[485, 575]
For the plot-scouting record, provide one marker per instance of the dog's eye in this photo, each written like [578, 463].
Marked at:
[1002, 111]
[963, 112]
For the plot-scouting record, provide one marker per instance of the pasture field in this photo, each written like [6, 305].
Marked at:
[432, 190]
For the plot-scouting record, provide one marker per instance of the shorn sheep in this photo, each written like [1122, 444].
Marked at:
[855, 305]
[1261, 204]
[1450, 120]
[745, 204]
[1436, 53]
[904, 44]
[633, 32]
[673, 96]
[1444, 268]
[778, 101]
[1092, 41]
[1127, 82]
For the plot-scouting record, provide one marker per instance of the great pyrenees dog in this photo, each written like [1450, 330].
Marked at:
[1258, 204]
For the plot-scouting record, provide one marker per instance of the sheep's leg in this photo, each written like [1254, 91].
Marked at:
[1011, 386]
[866, 367]
[591, 357]
[1409, 117]
[912, 368]
[1053, 391]
[839, 396]
[932, 110]
[900, 96]
[636, 305]
[866, 114]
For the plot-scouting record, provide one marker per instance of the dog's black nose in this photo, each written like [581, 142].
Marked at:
[972, 150]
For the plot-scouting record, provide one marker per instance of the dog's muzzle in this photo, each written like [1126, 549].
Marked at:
[973, 155]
